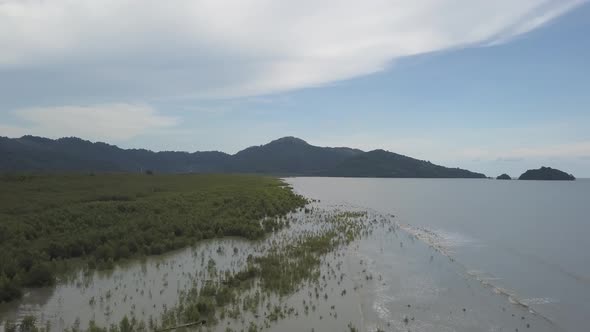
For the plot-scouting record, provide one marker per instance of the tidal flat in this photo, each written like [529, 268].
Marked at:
[328, 268]
[221, 282]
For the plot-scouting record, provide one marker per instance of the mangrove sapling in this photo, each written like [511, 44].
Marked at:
[103, 219]
[240, 291]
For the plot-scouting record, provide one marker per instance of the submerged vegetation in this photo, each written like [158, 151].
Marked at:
[254, 295]
[48, 220]
[305, 274]
[256, 291]
[288, 262]
[233, 284]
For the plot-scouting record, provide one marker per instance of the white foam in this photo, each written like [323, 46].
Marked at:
[444, 242]
[441, 240]
[539, 300]
[380, 308]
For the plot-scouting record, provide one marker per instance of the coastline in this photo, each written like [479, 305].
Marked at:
[390, 278]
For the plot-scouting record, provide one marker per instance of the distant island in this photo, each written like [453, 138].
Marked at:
[287, 156]
[546, 173]
[504, 177]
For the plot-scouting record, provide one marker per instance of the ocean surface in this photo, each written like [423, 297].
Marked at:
[509, 244]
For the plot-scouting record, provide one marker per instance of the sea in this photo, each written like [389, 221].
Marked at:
[508, 243]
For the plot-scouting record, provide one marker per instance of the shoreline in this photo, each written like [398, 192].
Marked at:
[394, 279]
[110, 292]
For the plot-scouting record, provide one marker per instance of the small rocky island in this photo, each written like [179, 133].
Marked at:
[504, 177]
[546, 173]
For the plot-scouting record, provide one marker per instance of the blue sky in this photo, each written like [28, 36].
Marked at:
[511, 93]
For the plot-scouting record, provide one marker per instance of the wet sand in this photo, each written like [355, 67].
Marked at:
[419, 287]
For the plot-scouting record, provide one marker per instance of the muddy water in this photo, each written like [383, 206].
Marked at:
[392, 279]
[419, 288]
[141, 288]
[524, 242]
[147, 288]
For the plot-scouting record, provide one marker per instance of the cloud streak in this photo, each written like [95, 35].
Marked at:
[573, 150]
[110, 122]
[134, 49]
[442, 150]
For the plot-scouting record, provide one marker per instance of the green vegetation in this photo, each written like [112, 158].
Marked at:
[48, 220]
[304, 255]
[546, 173]
[29, 324]
[280, 271]
[285, 156]
[385, 164]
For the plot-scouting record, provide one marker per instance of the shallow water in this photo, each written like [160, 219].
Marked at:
[526, 242]
[139, 288]
[148, 288]
[459, 255]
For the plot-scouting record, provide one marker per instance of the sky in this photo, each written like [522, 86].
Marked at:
[491, 86]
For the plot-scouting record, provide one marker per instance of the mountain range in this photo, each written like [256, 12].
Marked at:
[284, 156]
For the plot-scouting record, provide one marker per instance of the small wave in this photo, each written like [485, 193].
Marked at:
[483, 277]
[539, 300]
[380, 308]
[516, 301]
[381, 301]
[442, 241]
[526, 303]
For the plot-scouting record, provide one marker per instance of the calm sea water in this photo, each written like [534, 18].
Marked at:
[528, 240]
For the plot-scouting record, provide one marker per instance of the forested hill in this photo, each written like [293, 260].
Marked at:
[284, 156]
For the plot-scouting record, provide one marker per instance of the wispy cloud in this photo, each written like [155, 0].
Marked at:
[546, 151]
[208, 48]
[110, 122]
[565, 150]
[510, 159]
[443, 150]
